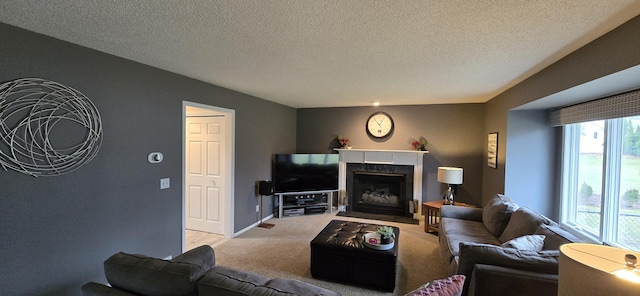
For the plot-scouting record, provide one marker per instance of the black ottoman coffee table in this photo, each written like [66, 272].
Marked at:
[337, 254]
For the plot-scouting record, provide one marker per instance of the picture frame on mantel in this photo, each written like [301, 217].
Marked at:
[492, 150]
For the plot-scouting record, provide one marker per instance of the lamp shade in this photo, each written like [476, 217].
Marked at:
[590, 269]
[450, 175]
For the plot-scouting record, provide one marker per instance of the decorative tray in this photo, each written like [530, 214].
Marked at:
[372, 240]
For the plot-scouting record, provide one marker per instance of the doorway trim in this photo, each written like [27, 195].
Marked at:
[229, 165]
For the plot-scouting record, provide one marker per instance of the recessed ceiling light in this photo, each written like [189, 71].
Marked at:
[376, 103]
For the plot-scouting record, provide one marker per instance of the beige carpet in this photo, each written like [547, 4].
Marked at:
[283, 251]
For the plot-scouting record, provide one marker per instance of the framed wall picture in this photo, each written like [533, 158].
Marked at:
[492, 150]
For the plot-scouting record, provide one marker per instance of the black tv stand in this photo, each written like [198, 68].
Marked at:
[303, 203]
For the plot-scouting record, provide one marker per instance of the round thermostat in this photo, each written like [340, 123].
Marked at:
[155, 157]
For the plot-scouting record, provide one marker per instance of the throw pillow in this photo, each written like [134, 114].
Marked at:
[533, 242]
[496, 214]
[523, 221]
[451, 286]
[555, 237]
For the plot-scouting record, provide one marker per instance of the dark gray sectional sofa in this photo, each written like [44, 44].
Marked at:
[189, 274]
[471, 242]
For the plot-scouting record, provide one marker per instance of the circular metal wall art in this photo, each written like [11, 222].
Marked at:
[46, 128]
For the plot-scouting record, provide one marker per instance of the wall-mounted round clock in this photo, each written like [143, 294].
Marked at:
[379, 125]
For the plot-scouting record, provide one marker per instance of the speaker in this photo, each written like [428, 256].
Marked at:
[265, 187]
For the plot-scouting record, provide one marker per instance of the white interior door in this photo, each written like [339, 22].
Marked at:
[204, 167]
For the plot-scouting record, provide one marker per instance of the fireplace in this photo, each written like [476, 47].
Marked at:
[380, 189]
[382, 160]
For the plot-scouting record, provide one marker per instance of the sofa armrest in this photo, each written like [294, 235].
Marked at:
[95, 289]
[152, 276]
[202, 255]
[472, 254]
[496, 280]
[464, 213]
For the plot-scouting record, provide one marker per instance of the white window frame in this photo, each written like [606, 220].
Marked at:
[609, 210]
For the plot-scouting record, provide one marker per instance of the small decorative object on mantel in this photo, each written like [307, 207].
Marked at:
[419, 144]
[344, 142]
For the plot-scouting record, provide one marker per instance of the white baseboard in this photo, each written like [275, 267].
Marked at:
[252, 226]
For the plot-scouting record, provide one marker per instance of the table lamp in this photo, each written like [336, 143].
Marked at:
[591, 269]
[452, 177]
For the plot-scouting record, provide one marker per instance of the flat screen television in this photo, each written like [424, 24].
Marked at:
[305, 172]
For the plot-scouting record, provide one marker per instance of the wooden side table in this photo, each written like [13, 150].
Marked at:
[431, 212]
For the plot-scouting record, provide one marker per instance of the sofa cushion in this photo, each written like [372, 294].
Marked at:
[523, 221]
[451, 286]
[457, 231]
[473, 253]
[533, 242]
[496, 214]
[151, 276]
[295, 287]
[225, 281]
[222, 280]
[454, 231]
[555, 237]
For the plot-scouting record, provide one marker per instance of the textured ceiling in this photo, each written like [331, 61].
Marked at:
[334, 53]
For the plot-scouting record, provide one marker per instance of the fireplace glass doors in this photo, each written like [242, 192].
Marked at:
[380, 189]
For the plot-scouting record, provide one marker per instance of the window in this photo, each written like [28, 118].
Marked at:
[601, 180]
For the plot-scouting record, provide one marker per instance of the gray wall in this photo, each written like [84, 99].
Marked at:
[55, 232]
[531, 154]
[611, 53]
[454, 132]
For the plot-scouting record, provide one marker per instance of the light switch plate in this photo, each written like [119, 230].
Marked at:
[165, 183]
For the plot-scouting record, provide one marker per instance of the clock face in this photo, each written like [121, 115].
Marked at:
[379, 125]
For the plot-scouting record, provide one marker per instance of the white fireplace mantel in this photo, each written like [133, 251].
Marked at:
[375, 156]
